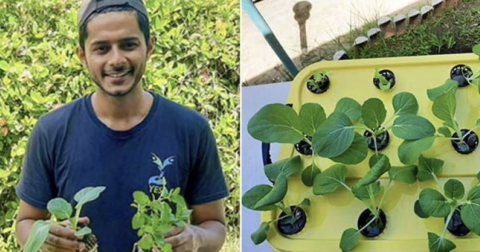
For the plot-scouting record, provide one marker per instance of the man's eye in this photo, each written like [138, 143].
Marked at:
[130, 45]
[101, 49]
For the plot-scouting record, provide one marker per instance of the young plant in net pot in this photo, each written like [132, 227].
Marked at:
[319, 82]
[373, 220]
[459, 210]
[62, 212]
[384, 79]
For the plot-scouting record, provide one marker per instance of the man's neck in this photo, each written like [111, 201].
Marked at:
[122, 113]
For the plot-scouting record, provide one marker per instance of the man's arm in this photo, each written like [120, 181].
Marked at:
[207, 234]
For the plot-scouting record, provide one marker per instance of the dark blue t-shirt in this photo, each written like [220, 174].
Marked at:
[70, 148]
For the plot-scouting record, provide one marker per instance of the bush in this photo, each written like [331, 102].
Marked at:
[195, 63]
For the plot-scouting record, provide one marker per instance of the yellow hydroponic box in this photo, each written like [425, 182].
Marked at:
[329, 215]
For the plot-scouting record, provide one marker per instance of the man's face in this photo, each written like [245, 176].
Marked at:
[115, 52]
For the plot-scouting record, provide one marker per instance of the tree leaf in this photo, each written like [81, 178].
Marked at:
[88, 194]
[356, 153]
[427, 167]
[254, 195]
[445, 131]
[470, 211]
[406, 174]
[373, 113]
[275, 123]
[350, 107]
[289, 166]
[60, 208]
[444, 107]
[334, 136]
[311, 116]
[277, 193]
[443, 89]
[141, 198]
[349, 239]
[37, 236]
[260, 235]
[405, 103]
[309, 173]
[418, 210]
[439, 244]
[433, 203]
[454, 189]
[84, 231]
[412, 127]
[410, 150]
[382, 166]
[362, 192]
[329, 180]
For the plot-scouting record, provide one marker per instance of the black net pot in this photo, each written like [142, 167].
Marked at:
[389, 75]
[91, 243]
[285, 225]
[319, 87]
[303, 147]
[470, 142]
[456, 225]
[376, 227]
[382, 140]
[459, 72]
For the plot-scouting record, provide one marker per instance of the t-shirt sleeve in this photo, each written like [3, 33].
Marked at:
[36, 185]
[206, 182]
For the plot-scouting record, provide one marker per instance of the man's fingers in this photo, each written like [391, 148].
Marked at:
[84, 220]
[176, 240]
[174, 231]
[49, 248]
[63, 243]
[61, 231]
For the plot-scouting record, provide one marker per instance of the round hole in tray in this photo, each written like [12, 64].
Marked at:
[382, 140]
[318, 87]
[376, 227]
[456, 225]
[470, 142]
[459, 72]
[303, 147]
[389, 75]
[285, 225]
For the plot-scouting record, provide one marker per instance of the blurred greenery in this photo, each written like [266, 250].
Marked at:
[195, 63]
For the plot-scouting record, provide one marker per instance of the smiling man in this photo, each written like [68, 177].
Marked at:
[107, 139]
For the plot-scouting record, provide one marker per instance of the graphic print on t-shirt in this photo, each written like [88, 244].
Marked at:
[155, 183]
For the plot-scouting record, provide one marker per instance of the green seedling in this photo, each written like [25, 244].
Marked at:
[157, 216]
[366, 190]
[61, 210]
[383, 83]
[319, 79]
[443, 202]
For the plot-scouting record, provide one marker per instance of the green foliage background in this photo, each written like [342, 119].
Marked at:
[195, 63]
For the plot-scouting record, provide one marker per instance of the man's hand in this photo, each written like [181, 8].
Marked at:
[62, 239]
[184, 239]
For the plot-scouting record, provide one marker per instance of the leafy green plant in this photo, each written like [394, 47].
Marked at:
[61, 210]
[444, 201]
[383, 83]
[318, 79]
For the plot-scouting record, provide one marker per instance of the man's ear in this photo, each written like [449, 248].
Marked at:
[81, 55]
[150, 47]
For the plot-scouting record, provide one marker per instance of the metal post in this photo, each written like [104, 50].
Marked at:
[267, 33]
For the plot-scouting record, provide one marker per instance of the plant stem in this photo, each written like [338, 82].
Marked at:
[308, 141]
[368, 224]
[75, 220]
[438, 183]
[384, 193]
[448, 221]
[372, 200]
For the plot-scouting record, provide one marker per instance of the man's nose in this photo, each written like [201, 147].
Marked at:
[117, 58]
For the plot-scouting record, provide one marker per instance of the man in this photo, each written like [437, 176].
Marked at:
[108, 139]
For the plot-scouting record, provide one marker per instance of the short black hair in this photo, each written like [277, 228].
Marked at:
[142, 20]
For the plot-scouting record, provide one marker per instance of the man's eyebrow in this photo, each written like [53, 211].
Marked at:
[104, 42]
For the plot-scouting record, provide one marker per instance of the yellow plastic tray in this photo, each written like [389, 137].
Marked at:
[328, 216]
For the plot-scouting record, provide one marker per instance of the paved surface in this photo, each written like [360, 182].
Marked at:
[324, 21]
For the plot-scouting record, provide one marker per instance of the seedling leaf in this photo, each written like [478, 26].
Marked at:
[146, 242]
[412, 127]
[406, 174]
[255, 194]
[382, 166]
[83, 231]
[260, 235]
[433, 203]
[410, 150]
[311, 116]
[448, 86]
[470, 211]
[350, 107]
[277, 193]
[141, 198]
[445, 131]
[309, 173]
[427, 167]
[361, 192]
[405, 103]
[373, 113]
[444, 107]
[349, 239]
[418, 210]
[454, 189]
[356, 153]
[439, 244]
[305, 202]
[329, 180]
[60, 208]
[88, 194]
[289, 166]
[37, 236]
[334, 136]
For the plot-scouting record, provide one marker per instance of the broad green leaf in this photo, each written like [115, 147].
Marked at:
[311, 116]
[382, 166]
[305, 202]
[349, 239]
[406, 174]
[276, 123]
[448, 86]
[141, 198]
[412, 127]
[444, 107]
[444, 131]
[138, 220]
[350, 107]
[289, 166]
[334, 136]
[405, 103]
[454, 189]
[60, 208]
[427, 167]
[88, 194]
[260, 235]
[433, 203]
[83, 231]
[329, 180]
[254, 195]
[37, 236]
[418, 210]
[277, 193]
[356, 153]
[410, 150]
[470, 211]
[374, 159]
[476, 50]
[309, 173]
[362, 192]
[146, 243]
[373, 113]
[439, 244]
